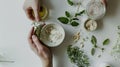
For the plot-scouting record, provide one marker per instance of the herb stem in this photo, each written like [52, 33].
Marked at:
[78, 7]
[7, 61]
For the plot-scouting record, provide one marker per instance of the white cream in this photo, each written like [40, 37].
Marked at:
[90, 25]
[52, 35]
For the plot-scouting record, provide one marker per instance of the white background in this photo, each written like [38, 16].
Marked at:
[14, 28]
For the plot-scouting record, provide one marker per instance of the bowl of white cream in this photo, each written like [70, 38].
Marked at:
[95, 9]
[52, 35]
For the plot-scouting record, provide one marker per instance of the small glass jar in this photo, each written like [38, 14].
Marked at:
[96, 9]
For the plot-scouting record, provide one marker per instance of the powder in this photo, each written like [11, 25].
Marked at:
[53, 35]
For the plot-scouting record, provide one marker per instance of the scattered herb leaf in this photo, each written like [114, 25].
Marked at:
[70, 2]
[93, 51]
[75, 19]
[63, 20]
[67, 14]
[94, 41]
[80, 13]
[99, 56]
[102, 49]
[74, 23]
[77, 56]
[118, 27]
[106, 42]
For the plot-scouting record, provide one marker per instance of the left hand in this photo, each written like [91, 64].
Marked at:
[42, 51]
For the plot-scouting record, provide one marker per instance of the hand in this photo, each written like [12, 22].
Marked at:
[42, 51]
[104, 2]
[32, 8]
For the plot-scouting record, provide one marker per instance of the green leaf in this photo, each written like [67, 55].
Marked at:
[93, 51]
[94, 40]
[77, 56]
[75, 19]
[80, 13]
[74, 23]
[67, 14]
[63, 20]
[118, 27]
[102, 49]
[70, 2]
[106, 42]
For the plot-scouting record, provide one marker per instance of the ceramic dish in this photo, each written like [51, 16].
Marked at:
[52, 35]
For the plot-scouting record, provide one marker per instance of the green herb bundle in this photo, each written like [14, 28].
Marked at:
[69, 18]
[95, 46]
[77, 56]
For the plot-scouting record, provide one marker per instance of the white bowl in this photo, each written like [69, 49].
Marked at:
[52, 35]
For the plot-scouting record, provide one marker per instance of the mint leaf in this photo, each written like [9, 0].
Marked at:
[67, 14]
[94, 40]
[70, 2]
[74, 23]
[106, 42]
[63, 20]
[93, 51]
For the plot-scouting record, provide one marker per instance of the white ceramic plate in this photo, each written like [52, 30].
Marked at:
[52, 35]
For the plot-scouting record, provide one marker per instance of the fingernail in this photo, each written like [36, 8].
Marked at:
[38, 20]
[33, 36]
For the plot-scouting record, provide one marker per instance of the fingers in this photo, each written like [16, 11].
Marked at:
[32, 45]
[30, 35]
[37, 42]
[36, 13]
[29, 13]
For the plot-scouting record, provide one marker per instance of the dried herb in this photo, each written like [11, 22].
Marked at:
[106, 41]
[77, 56]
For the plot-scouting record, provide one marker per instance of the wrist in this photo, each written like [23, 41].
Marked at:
[47, 62]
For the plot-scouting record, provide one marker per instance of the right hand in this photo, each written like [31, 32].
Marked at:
[32, 8]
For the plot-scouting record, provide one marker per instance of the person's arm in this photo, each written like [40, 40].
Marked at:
[32, 8]
[42, 51]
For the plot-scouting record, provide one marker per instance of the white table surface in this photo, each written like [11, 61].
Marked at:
[14, 28]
